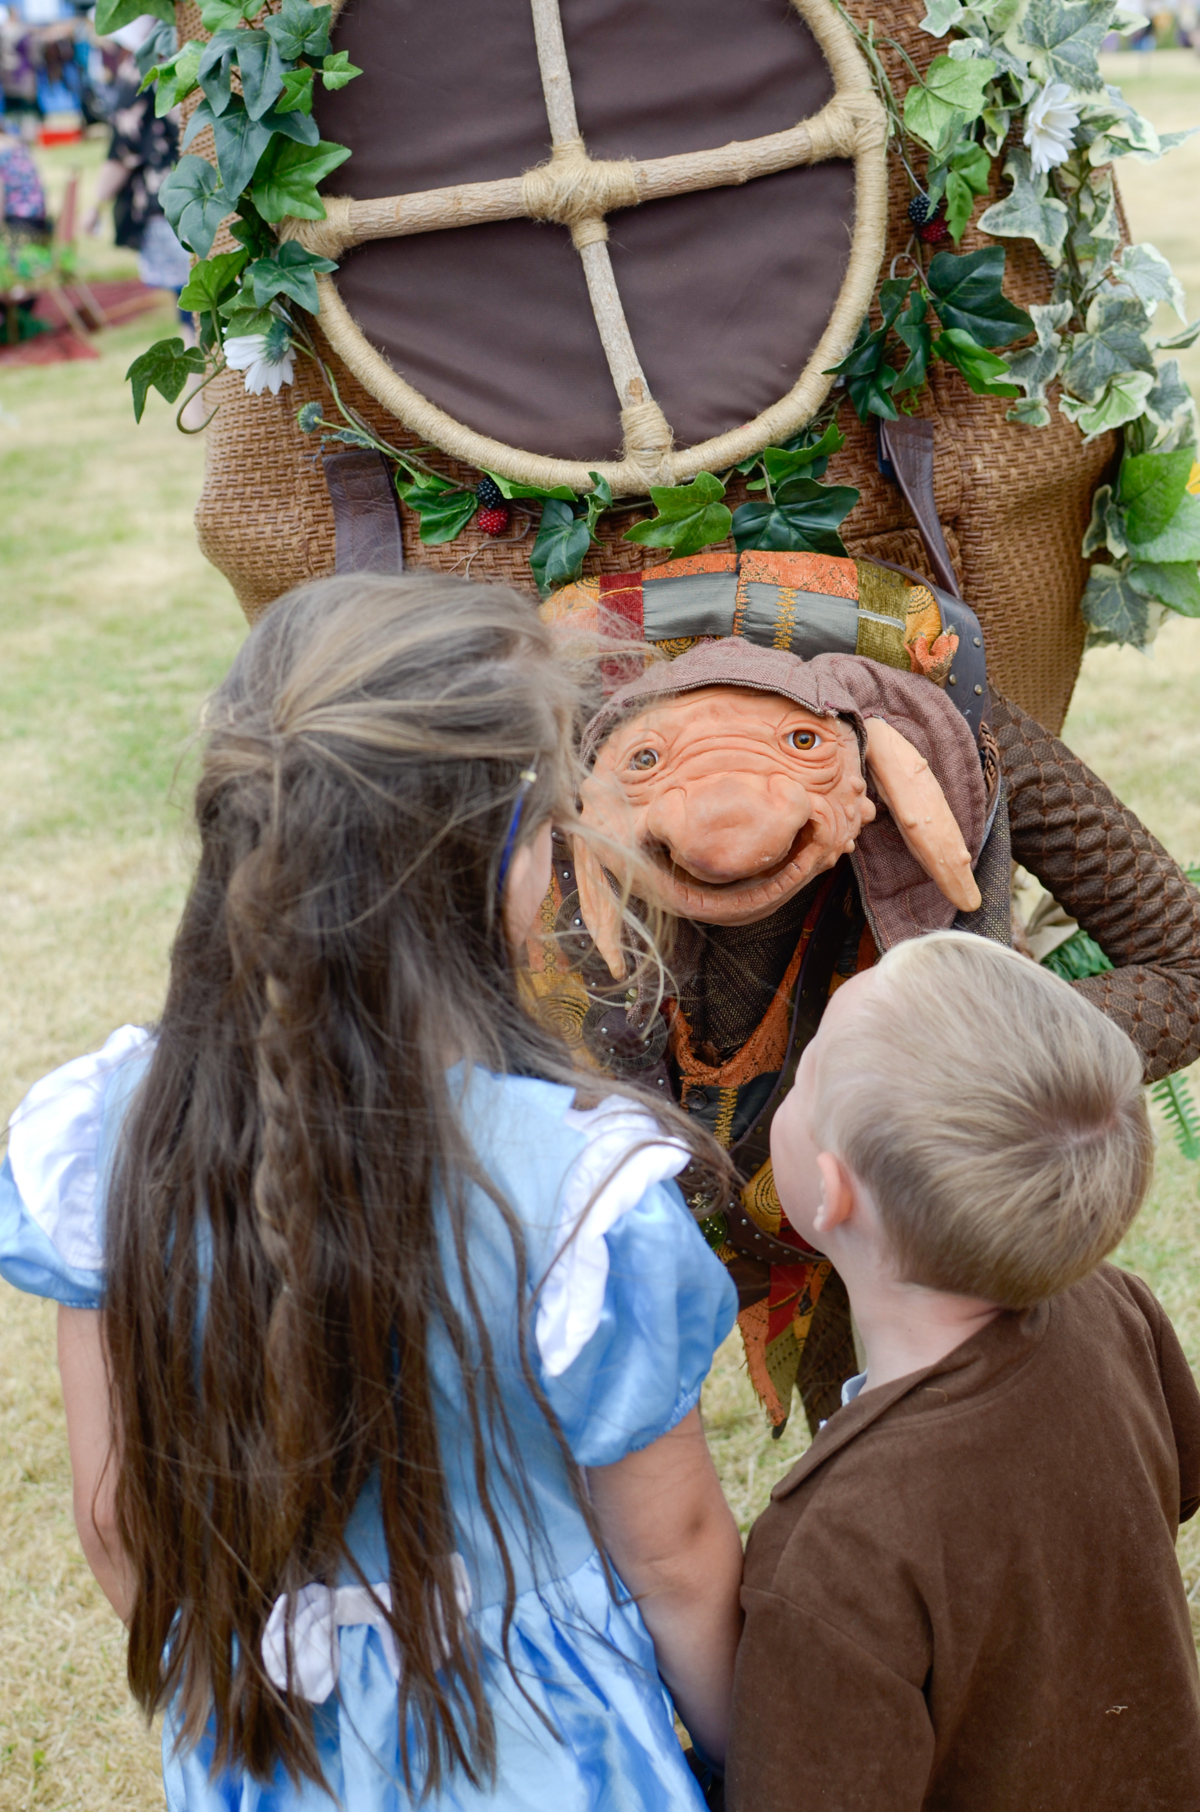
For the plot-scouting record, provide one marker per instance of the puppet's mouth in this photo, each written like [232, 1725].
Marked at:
[747, 897]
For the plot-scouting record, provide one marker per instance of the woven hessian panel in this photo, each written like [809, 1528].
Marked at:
[1014, 502]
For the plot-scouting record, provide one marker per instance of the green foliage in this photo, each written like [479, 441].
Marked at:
[563, 538]
[291, 271]
[1064, 40]
[1029, 211]
[112, 15]
[287, 177]
[1150, 490]
[950, 97]
[296, 95]
[986, 374]
[1077, 958]
[690, 516]
[212, 281]
[1177, 1102]
[195, 202]
[337, 69]
[1113, 609]
[967, 294]
[802, 515]
[1175, 583]
[300, 30]
[444, 509]
[867, 375]
[509, 488]
[165, 367]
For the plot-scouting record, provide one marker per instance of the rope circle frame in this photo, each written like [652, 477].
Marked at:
[577, 191]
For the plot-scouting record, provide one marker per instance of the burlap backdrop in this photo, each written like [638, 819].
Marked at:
[1014, 502]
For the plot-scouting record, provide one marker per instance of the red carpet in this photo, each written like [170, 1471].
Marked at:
[119, 302]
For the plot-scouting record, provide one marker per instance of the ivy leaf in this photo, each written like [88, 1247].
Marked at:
[1065, 41]
[1179, 342]
[967, 295]
[782, 463]
[508, 488]
[337, 69]
[1122, 401]
[165, 367]
[261, 70]
[1029, 211]
[214, 69]
[112, 15]
[1144, 270]
[291, 271]
[287, 176]
[690, 516]
[1169, 405]
[985, 372]
[1178, 540]
[1151, 488]
[1112, 344]
[1036, 366]
[212, 280]
[598, 500]
[562, 540]
[866, 374]
[296, 95]
[1107, 526]
[941, 16]
[1175, 583]
[917, 335]
[227, 15]
[175, 78]
[1029, 412]
[239, 140]
[241, 317]
[966, 178]
[950, 96]
[804, 516]
[300, 30]
[444, 509]
[195, 203]
[1113, 609]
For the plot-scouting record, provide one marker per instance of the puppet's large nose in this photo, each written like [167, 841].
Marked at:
[730, 827]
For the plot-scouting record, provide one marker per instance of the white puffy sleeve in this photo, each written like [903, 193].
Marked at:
[52, 1183]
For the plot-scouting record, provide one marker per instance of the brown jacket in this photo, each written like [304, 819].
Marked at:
[964, 1597]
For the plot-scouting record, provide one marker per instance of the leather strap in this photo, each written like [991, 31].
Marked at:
[906, 457]
[365, 513]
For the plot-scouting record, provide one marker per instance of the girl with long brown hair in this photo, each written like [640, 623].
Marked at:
[381, 1337]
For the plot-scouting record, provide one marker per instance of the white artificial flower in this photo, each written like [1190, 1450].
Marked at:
[267, 366]
[1049, 127]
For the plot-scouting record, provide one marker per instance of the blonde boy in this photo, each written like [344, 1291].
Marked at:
[965, 1595]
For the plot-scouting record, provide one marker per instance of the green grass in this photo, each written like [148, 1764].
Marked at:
[113, 628]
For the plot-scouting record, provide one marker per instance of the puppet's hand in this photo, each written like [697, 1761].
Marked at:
[922, 816]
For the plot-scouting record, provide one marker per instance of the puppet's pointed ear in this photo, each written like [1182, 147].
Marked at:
[599, 907]
[922, 815]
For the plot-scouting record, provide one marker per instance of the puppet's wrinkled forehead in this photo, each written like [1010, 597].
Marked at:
[735, 663]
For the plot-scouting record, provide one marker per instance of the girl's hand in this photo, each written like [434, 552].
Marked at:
[675, 1544]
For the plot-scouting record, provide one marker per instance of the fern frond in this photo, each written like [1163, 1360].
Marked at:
[1178, 1103]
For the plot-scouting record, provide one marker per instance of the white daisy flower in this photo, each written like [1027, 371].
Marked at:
[1050, 126]
[267, 359]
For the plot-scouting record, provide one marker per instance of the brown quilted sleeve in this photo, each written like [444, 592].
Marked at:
[1104, 867]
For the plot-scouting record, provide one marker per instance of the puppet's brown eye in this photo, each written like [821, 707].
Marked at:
[803, 739]
[643, 760]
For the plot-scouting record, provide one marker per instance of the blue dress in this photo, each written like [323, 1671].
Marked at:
[629, 1314]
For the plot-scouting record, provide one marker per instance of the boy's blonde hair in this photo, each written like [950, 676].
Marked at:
[995, 1115]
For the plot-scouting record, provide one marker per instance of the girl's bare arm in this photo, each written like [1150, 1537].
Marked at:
[675, 1544]
[94, 1450]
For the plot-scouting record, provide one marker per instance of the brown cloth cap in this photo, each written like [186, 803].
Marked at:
[900, 899]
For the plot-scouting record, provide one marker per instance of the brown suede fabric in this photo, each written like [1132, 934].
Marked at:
[900, 899]
[1101, 863]
[965, 1598]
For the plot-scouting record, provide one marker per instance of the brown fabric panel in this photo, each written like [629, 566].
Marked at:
[726, 292]
[1102, 864]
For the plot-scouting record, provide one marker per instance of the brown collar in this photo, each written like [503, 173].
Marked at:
[989, 1358]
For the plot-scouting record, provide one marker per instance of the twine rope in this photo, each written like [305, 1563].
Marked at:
[578, 191]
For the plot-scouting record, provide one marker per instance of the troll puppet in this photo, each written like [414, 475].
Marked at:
[796, 817]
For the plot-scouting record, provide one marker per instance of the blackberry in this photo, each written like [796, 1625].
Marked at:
[918, 210]
[494, 520]
[490, 496]
[933, 231]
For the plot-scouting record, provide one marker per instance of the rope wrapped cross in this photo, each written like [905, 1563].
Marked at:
[579, 192]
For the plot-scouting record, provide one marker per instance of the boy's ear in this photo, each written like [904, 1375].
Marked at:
[837, 1193]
